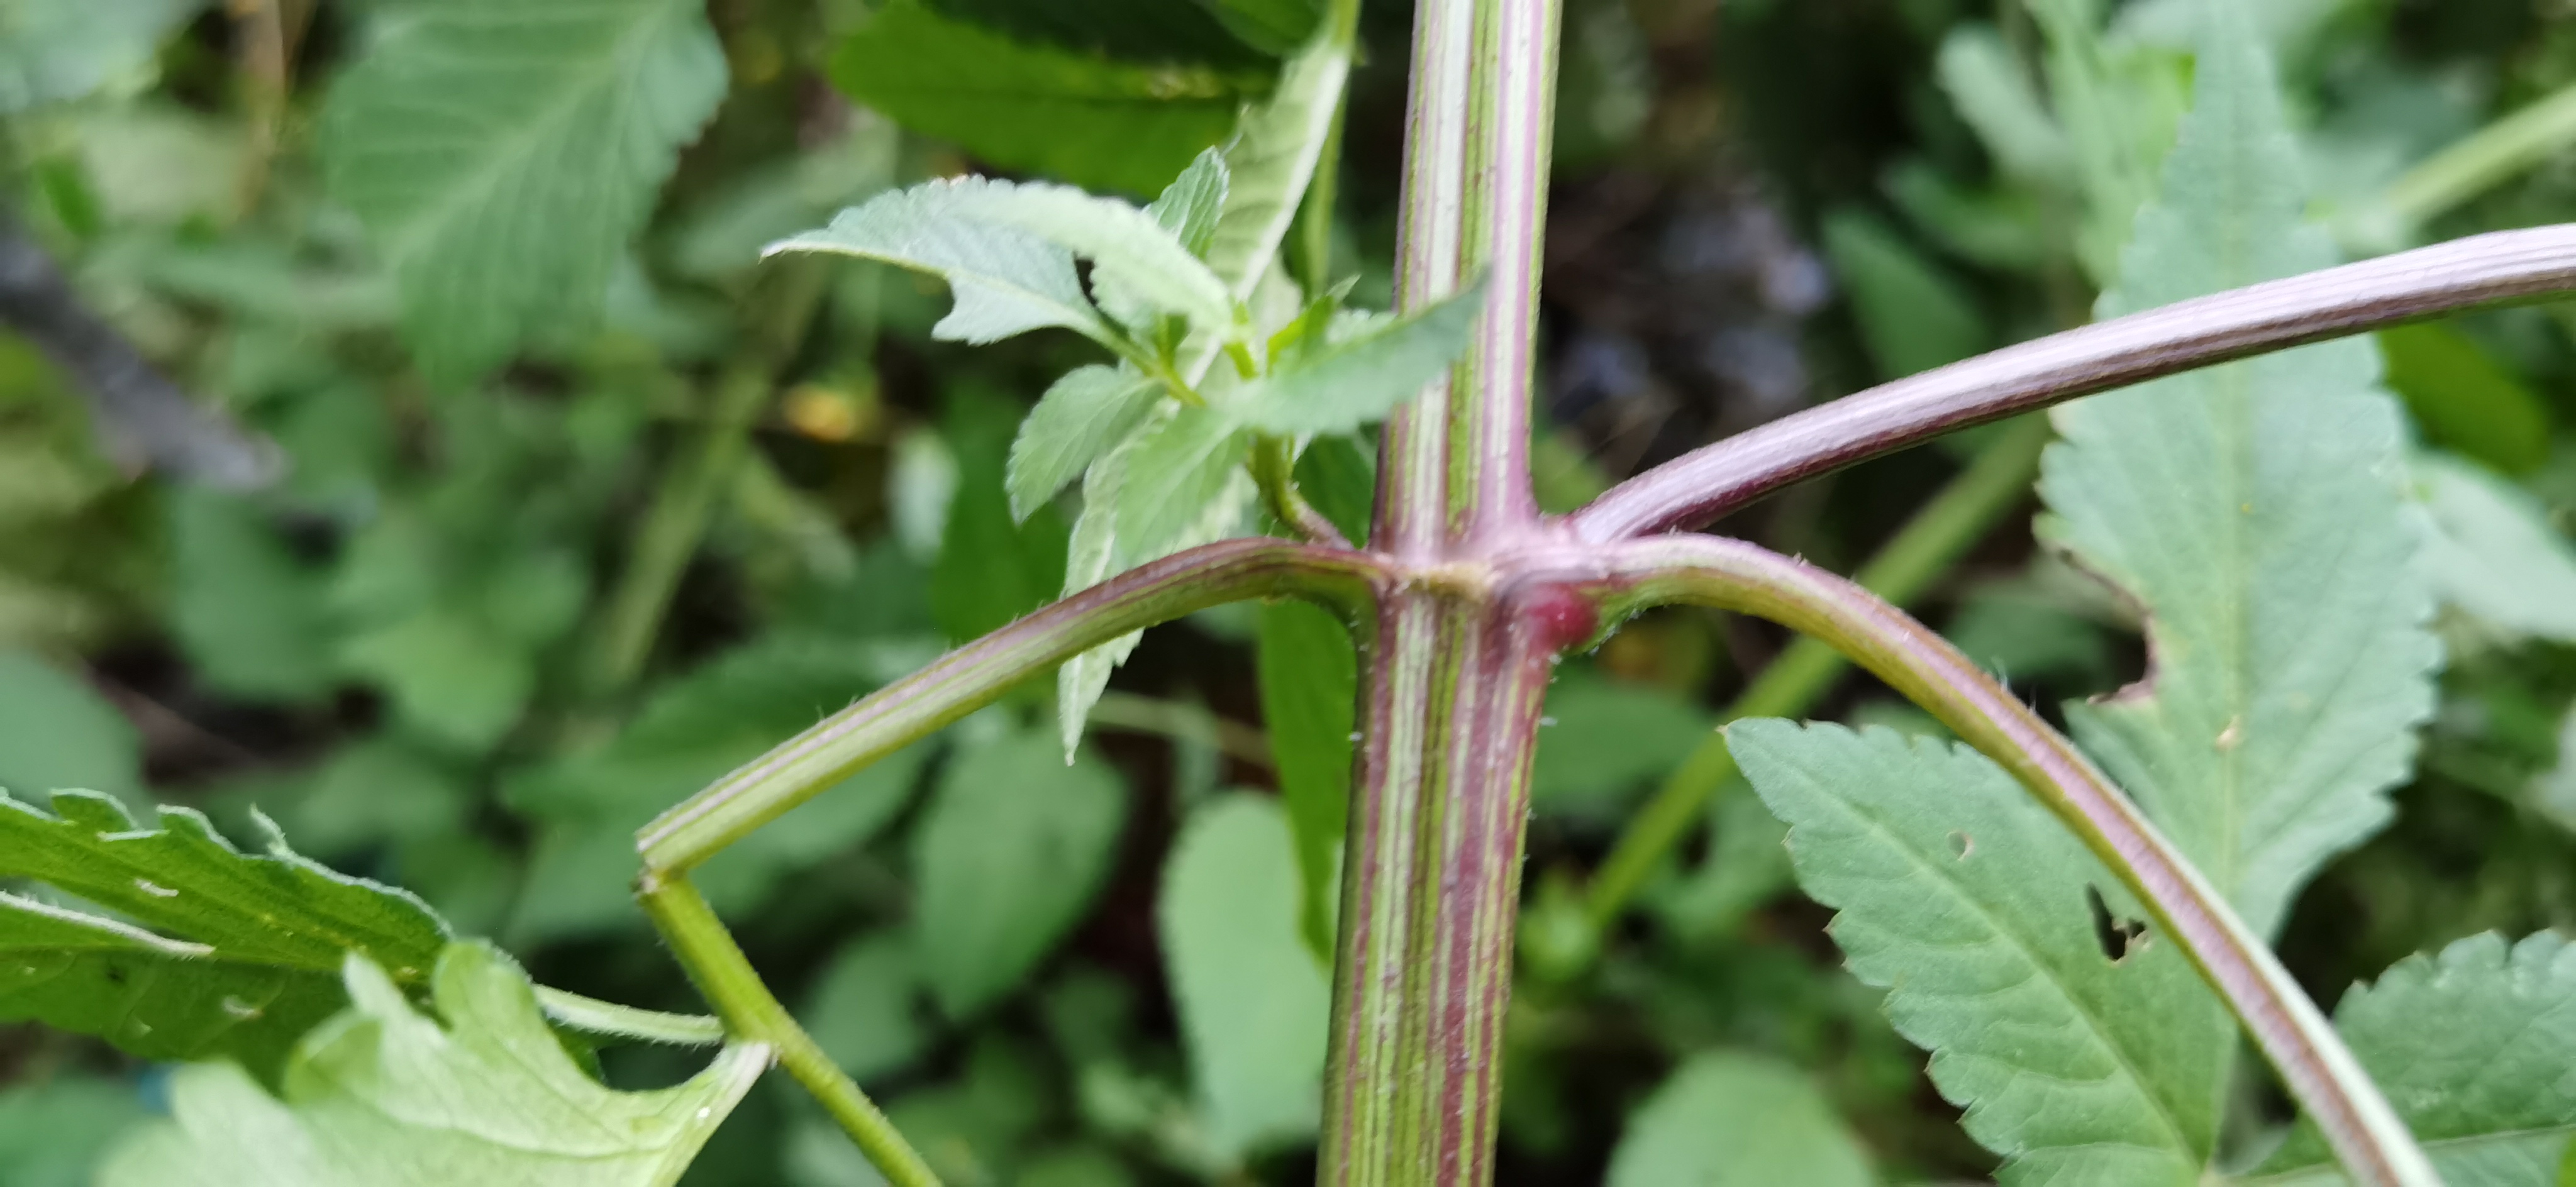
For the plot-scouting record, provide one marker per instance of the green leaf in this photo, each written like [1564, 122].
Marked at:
[502, 153]
[1913, 316]
[383, 1094]
[1359, 379]
[1014, 845]
[1080, 418]
[243, 605]
[1271, 26]
[1253, 1000]
[1731, 1120]
[1027, 106]
[2473, 1048]
[243, 950]
[1178, 471]
[1972, 908]
[1006, 281]
[56, 731]
[1188, 209]
[1276, 148]
[52, 1133]
[1091, 557]
[448, 674]
[861, 1010]
[2257, 512]
[63, 49]
[2492, 552]
[1309, 678]
[1992, 91]
[2464, 399]
[1604, 740]
[695, 730]
[995, 563]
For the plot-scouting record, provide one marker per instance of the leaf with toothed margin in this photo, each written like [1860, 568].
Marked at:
[1188, 208]
[2258, 513]
[2487, 1085]
[385, 1095]
[1179, 468]
[1347, 382]
[1081, 417]
[1974, 909]
[217, 953]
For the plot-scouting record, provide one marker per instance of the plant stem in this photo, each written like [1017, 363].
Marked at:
[1273, 471]
[1458, 669]
[1709, 482]
[721, 972]
[1956, 518]
[592, 1016]
[1182, 721]
[972, 676]
[671, 530]
[2328, 1083]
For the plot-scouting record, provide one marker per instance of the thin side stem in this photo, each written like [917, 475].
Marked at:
[1929, 544]
[2329, 1084]
[721, 972]
[974, 675]
[2482, 161]
[592, 1016]
[1274, 473]
[1184, 722]
[672, 529]
[1709, 482]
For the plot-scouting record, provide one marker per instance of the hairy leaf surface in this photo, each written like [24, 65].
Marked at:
[1006, 281]
[503, 152]
[1971, 906]
[1080, 418]
[1354, 381]
[1252, 999]
[2258, 513]
[385, 1095]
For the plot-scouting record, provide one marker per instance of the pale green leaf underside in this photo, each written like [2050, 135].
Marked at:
[2476, 1048]
[502, 153]
[383, 1095]
[2493, 553]
[63, 49]
[1081, 417]
[1253, 1002]
[1732, 1120]
[2257, 511]
[1354, 381]
[1179, 468]
[1188, 208]
[1969, 904]
[1006, 281]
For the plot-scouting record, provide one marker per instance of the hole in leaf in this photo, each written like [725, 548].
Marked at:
[2118, 936]
[1961, 845]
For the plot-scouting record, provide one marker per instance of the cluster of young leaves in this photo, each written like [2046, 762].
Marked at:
[2287, 613]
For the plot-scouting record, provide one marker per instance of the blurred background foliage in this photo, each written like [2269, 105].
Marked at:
[572, 505]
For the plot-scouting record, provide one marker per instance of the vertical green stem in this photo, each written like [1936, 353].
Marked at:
[716, 964]
[1938, 535]
[671, 530]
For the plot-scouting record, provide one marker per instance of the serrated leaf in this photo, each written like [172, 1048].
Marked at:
[1025, 105]
[2473, 1048]
[1006, 281]
[502, 153]
[1252, 999]
[1971, 907]
[1733, 1120]
[243, 950]
[1188, 208]
[1091, 557]
[1179, 468]
[63, 49]
[2492, 552]
[2257, 512]
[1309, 677]
[383, 1094]
[1007, 858]
[1080, 418]
[1358, 379]
[1276, 149]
